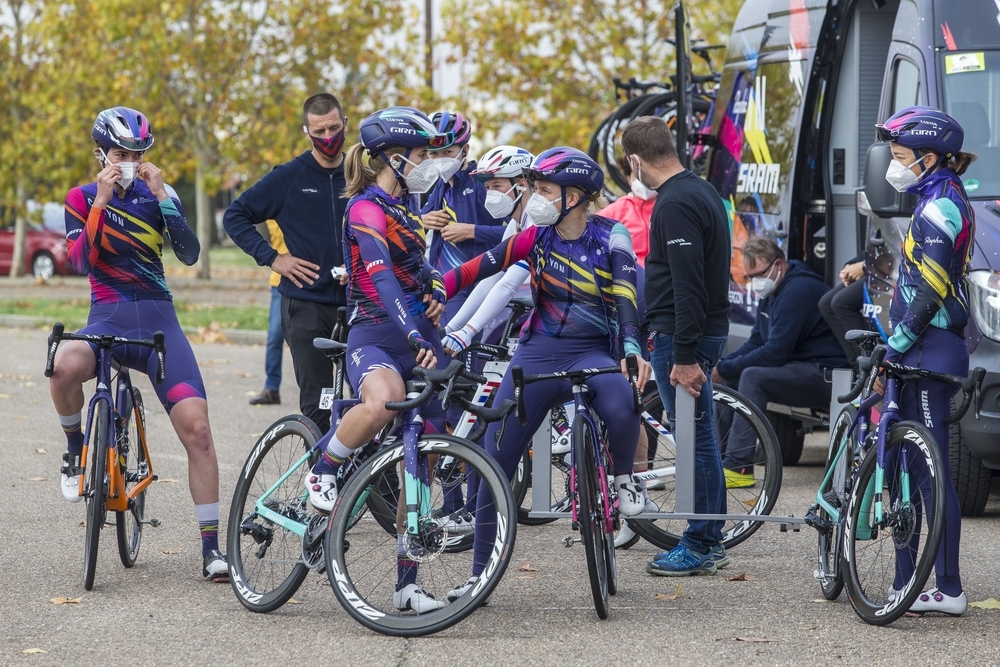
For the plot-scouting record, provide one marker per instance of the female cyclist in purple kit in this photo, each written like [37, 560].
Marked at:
[114, 233]
[583, 283]
[391, 318]
[930, 306]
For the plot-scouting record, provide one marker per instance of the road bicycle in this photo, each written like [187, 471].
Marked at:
[879, 510]
[115, 467]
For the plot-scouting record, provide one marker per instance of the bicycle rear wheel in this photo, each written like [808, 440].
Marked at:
[733, 415]
[266, 563]
[363, 561]
[889, 560]
[96, 489]
[836, 492]
[589, 513]
[135, 468]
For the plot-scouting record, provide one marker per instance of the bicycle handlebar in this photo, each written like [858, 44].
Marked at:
[486, 415]
[575, 377]
[433, 379]
[865, 366]
[106, 342]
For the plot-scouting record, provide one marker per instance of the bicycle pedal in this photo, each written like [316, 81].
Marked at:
[154, 523]
[568, 541]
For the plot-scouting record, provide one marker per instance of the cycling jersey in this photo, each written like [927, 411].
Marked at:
[121, 246]
[937, 249]
[582, 288]
[384, 252]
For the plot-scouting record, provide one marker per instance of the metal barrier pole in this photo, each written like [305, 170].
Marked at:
[684, 405]
[541, 467]
[841, 385]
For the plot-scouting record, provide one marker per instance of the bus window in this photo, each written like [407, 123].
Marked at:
[905, 86]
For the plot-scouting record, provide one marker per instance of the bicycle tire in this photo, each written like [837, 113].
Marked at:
[666, 533]
[901, 519]
[362, 561]
[128, 524]
[588, 505]
[96, 490]
[829, 570]
[265, 558]
[558, 481]
[610, 530]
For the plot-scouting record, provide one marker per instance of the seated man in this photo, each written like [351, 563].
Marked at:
[788, 350]
[841, 306]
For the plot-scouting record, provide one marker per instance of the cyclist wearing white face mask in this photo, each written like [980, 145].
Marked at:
[634, 210]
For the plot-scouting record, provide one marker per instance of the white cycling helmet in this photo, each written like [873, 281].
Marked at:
[503, 162]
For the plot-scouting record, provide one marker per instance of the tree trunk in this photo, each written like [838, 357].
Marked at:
[21, 195]
[203, 215]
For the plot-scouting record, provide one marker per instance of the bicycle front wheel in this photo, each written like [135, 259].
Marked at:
[736, 420]
[364, 562]
[96, 488]
[589, 513]
[836, 492]
[135, 468]
[269, 516]
[892, 533]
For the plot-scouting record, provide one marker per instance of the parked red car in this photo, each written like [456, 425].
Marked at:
[44, 253]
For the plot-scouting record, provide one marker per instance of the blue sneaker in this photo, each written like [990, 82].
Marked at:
[719, 556]
[682, 562]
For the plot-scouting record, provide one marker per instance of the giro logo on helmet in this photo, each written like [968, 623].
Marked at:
[402, 130]
[576, 170]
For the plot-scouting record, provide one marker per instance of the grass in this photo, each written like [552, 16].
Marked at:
[229, 257]
[73, 313]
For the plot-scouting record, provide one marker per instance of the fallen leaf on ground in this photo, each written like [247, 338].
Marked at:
[34, 650]
[65, 600]
[293, 601]
[171, 552]
[27, 384]
[527, 567]
[83, 524]
[241, 374]
[35, 479]
[750, 503]
[669, 596]
[40, 451]
[167, 480]
[742, 576]
[5, 396]
[990, 603]
[251, 393]
[752, 640]
[819, 600]
[221, 361]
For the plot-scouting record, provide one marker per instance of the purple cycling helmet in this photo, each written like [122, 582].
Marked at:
[122, 127]
[399, 126]
[567, 167]
[923, 127]
[456, 128]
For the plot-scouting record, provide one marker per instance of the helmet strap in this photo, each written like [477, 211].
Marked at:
[397, 172]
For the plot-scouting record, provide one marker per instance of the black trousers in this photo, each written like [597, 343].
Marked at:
[841, 308]
[302, 321]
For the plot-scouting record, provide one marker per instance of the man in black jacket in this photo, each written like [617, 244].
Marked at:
[790, 346]
[687, 305]
[305, 197]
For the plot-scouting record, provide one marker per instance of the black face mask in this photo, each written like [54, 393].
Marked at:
[330, 147]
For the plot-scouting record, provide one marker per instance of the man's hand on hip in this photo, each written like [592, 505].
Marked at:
[295, 269]
[689, 376]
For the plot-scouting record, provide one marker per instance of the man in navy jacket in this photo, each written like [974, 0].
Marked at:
[789, 348]
[305, 197]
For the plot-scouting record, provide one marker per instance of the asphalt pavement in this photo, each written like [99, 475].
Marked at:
[161, 612]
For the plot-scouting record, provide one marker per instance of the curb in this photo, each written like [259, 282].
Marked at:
[238, 336]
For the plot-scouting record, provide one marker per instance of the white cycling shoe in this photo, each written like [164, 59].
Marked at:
[631, 499]
[322, 491]
[70, 478]
[626, 537]
[462, 589]
[935, 600]
[413, 598]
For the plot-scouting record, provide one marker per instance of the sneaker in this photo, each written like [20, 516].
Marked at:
[739, 479]
[935, 600]
[459, 591]
[266, 397]
[322, 491]
[719, 556]
[682, 562]
[413, 598]
[215, 567]
[461, 522]
[631, 499]
[70, 481]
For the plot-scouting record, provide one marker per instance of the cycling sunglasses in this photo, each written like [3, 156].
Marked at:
[442, 140]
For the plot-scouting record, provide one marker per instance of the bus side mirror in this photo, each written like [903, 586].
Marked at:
[878, 198]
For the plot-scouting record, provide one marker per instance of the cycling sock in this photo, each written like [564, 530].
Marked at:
[406, 569]
[71, 426]
[950, 585]
[333, 456]
[208, 521]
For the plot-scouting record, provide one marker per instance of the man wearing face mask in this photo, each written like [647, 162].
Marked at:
[789, 348]
[634, 210]
[306, 198]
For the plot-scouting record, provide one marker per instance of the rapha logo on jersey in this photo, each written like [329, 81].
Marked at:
[931, 241]
[760, 176]
[310, 190]
[628, 268]
[402, 130]
[871, 310]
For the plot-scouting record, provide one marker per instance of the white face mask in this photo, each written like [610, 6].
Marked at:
[422, 177]
[501, 204]
[542, 212]
[900, 176]
[128, 171]
[641, 191]
[764, 286]
[448, 166]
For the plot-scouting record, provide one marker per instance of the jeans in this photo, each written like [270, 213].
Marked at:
[302, 321]
[709, 484]
[275, 343]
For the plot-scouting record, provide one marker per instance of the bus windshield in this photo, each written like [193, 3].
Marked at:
[972, 97]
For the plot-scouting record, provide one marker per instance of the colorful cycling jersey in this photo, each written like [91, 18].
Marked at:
[121, 246]
[582, 288]
[384, 251]
[937, 249]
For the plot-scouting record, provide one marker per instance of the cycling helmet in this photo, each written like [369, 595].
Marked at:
[503, 162]
[399, 126]
[567, 167]
[122, 127]
[923, 127]
[456, 128]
